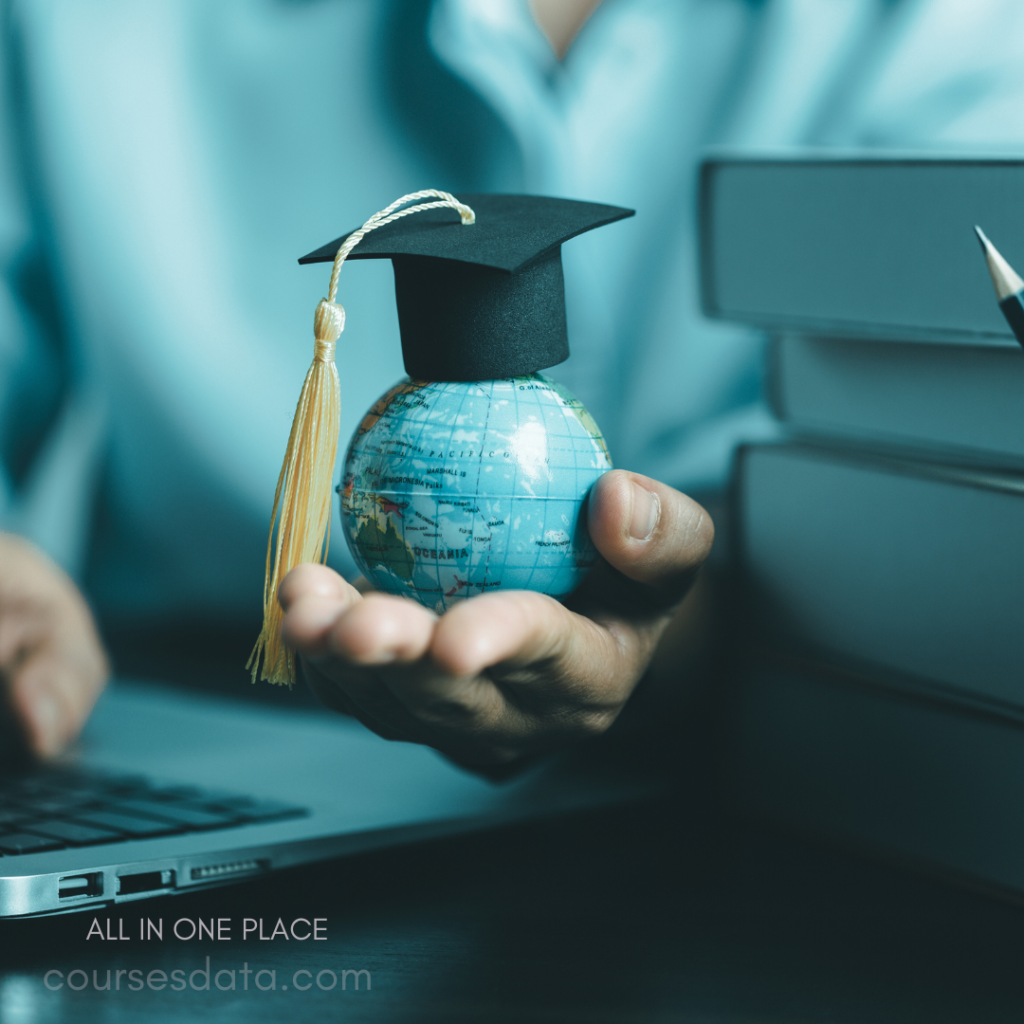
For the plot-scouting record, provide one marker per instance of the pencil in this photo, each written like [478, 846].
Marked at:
[1008, 284]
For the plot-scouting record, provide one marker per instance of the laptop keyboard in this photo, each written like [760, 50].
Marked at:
[55, 809]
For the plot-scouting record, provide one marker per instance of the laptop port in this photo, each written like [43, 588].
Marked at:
[80, 885]
[146, 881]
[233, 868]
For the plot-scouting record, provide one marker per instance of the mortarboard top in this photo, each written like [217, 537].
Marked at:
[485, 300]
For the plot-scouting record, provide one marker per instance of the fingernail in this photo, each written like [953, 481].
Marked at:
[646, 512]
[48, 718]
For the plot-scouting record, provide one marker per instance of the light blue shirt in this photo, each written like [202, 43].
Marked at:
[163, 164]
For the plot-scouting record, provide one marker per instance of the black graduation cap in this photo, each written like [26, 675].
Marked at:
[485, 300]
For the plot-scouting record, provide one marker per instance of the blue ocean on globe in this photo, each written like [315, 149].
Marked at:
[456, 489]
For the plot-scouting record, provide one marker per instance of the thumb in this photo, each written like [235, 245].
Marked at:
[650, 533]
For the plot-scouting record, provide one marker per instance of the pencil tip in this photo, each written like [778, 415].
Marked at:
[1005, 279]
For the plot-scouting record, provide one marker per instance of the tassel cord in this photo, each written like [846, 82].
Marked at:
[389, 216]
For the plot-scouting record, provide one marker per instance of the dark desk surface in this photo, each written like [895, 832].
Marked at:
[654, 913]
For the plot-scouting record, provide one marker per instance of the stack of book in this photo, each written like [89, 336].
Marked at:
[882, 544]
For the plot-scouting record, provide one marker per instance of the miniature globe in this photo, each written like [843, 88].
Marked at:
[455, 489]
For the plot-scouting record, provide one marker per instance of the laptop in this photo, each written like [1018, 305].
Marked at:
[170, 792]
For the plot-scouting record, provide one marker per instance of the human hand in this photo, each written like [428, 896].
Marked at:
[52, 664]
[506, 675]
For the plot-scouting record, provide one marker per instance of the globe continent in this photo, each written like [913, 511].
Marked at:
[455, 489]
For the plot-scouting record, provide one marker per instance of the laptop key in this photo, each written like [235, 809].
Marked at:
[193, 817]
[22, 786]
[194, 795]
[77, 808]
[263, 810]
[56, 805]
[10, 816]
[73, 833]
[130, 824]
[89, 782]
[22, 842]
[126, 784]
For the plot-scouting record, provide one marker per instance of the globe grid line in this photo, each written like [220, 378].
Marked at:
[437, 510]
[472, 536]
[479, 473]
[547, 491]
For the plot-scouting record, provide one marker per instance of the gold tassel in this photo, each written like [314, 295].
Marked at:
[303, 495]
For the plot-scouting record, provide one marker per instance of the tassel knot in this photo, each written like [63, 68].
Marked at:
[323, 351]
[329, 321]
